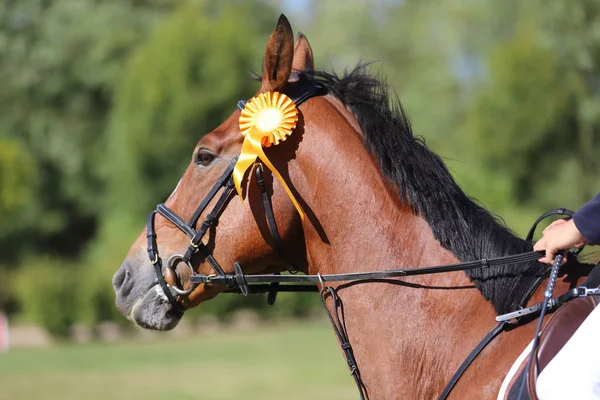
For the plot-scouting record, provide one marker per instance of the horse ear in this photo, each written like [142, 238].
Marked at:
[303, 55]
[278, 57]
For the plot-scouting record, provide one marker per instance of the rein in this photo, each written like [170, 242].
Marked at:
[239, 282]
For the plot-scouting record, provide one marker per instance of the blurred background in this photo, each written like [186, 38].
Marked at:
[93, 92]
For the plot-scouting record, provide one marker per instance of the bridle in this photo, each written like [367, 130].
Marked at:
[237, 281]
[299, 92]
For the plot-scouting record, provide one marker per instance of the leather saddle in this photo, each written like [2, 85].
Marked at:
[562, 325]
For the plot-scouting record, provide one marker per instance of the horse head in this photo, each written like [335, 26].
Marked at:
[240, 234]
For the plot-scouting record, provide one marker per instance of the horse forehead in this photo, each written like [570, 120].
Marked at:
[228, 133]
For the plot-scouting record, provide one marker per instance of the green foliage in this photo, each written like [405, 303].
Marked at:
[102, 103]
[524, 83]
[534, 118]
[294, 304]
[47, 290]
[181, 84]
[96, 301]
[17, 176]
[59, 63]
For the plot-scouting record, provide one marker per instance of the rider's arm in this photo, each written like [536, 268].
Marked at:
[587, 220]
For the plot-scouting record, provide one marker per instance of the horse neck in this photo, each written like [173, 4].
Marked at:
[408, 337]
[361, 223]
[365, 210]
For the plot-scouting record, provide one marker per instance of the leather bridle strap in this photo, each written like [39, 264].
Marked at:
[555, 211]
[222, 181]
[463, 367]
[157, 262]
[175, 220]
[209, 221]
[340, 332]
[188, 229]
[226, 279]
[196, 236]
[277, 242]
[260, 181]
[299, 92]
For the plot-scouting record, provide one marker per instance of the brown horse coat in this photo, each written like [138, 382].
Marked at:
[370, 206]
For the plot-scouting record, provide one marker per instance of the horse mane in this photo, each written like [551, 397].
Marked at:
[423, 181]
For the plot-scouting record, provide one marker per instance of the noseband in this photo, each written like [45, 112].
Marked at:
[299, 92]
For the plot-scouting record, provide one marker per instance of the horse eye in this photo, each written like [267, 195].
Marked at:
[204, 158]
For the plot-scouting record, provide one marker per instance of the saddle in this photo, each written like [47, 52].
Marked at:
[562, 325]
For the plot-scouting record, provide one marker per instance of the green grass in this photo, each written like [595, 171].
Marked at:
[289, 362]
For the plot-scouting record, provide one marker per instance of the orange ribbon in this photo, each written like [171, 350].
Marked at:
[266, 120]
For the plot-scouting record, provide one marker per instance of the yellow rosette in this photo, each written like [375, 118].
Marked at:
[266, 120]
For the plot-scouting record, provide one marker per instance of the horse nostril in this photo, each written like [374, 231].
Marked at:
[120, 277]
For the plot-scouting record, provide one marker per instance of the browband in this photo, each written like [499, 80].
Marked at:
[299, 92]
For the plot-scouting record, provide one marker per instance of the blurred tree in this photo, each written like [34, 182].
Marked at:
[59, 63]
[410, 44]
[573, 34]
[507, 95]
[69, 60]
[48, 291]
[16, 177]
[183, 83]
[98, 117]
[534, 122]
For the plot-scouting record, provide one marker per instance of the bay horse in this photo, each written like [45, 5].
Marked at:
[373, 197]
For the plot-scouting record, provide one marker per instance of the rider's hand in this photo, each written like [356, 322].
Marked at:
[559, 235]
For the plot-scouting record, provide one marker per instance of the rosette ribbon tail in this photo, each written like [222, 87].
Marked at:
[251, 150]
[245, 160]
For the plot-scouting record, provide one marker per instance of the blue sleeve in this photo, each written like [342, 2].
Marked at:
[587, 220]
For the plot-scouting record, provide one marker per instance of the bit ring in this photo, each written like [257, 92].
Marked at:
[170, 264]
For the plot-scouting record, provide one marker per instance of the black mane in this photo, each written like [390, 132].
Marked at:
[466, 229]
